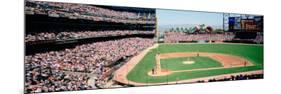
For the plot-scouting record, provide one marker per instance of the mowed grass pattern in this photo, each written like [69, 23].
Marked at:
[175, 64]
[252, 52]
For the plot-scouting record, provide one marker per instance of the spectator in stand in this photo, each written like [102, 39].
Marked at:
[46, 72]
[237, 77]
[172, 37]
[81, 34]
[88, 12]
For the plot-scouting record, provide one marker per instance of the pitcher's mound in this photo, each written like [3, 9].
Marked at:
[188, 62]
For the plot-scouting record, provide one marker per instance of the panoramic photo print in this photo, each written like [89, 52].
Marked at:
[71, 46]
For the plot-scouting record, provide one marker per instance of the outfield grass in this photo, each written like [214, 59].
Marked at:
[175, 64]
[254, 53]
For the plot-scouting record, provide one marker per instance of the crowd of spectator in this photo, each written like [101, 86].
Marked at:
[73, 68]
[40, 79]
[45, 71]
[173, 37]
[256, 37]
[87, 12]
[259, 38]
[81, 34]
[235, 77]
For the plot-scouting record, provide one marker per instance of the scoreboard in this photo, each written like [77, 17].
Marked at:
[246, 23]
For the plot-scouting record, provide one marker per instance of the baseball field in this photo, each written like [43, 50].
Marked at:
[207, 60]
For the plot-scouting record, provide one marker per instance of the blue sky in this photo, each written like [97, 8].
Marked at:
[179, 17]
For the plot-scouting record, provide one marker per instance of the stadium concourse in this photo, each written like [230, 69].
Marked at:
[79, 46]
